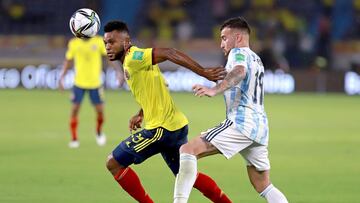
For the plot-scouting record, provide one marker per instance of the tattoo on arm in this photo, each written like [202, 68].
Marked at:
[231, 79]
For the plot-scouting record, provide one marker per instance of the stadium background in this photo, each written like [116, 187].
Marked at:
[310, 49]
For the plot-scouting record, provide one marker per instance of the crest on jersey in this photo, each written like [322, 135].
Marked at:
[239, 57]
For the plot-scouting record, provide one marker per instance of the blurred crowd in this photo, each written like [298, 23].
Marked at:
[296, 34]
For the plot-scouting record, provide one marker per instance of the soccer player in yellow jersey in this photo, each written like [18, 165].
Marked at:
[87, 55]
[166, 127]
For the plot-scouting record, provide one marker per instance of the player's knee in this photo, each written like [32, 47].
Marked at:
[113, 166]
[110, 163]
[194, 147]
[187, 148]
[99, 109]
[75, 110]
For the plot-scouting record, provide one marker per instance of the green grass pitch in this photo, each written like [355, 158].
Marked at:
[314, 149]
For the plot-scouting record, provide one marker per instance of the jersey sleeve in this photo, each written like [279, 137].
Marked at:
[69, 55]
[140, 59]
[238, 57]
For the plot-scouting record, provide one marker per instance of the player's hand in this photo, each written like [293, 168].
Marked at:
[135, 122]
[215, 73]
[201, 90]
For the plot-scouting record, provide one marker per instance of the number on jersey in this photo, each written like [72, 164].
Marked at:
[259, 81]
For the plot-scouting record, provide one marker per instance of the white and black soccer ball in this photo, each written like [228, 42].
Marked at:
[84, 23]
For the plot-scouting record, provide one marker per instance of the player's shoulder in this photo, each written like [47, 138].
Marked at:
[74, 43]
[139, 54]
[240, 50]
[97, 38]
[239, 54]
[135, 49]
[74, 40]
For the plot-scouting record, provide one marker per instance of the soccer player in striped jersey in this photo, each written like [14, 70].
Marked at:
[245, 129]
[166, 127]
[87, 56]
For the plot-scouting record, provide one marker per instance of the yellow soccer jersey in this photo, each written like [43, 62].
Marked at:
[150, 91]
[87, 55]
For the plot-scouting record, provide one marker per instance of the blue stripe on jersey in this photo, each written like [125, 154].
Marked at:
[245, 84]
[232, 94]
[254, 132]
[226, 106]
[235, 50]
[264, 136]
[240, 119]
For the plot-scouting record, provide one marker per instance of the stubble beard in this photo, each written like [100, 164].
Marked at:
[119, 55]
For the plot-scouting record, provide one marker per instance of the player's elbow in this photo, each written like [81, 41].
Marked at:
[111, 164]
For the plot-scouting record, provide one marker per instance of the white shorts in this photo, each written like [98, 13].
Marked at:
[229, 141]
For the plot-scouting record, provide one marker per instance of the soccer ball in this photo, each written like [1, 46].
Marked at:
[84, 23]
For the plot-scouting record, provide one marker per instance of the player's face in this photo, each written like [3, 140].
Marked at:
[228, 40]
[115, 44]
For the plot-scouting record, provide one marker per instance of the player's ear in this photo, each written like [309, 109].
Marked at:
[239, 37]
[127, 41]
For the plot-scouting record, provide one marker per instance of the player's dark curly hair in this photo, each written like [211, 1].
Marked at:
[237, 22]
[116, 25]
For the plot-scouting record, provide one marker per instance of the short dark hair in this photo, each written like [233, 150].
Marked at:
[116, 25]
[238, 23]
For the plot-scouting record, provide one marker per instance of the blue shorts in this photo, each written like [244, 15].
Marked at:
[138, 147]
[95, 95]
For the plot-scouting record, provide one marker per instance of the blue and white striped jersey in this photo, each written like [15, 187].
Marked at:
[245, 101]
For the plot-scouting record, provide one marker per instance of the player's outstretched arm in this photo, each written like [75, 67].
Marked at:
[66, 67]
[178, 57]
[232, 78]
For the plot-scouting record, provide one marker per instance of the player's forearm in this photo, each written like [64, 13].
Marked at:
[231, 79]
[182, 59]
[66, 67]
[221, 87]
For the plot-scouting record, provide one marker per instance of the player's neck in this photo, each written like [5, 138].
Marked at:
[126, 51]
[242, 44]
